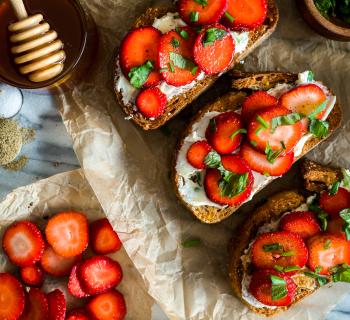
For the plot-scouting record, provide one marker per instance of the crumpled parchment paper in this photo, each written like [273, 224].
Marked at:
[70, 191]
[128, 169]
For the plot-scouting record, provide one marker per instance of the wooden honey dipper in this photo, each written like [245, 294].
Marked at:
[38, 50]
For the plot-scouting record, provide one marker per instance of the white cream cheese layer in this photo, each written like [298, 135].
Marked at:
[166, 23]
[193, 193]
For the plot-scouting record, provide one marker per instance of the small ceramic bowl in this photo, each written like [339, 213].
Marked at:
[322, 25]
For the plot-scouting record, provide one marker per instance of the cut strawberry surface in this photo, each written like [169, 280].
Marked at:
[137, 48]
[99, 274]
[36, 306]
[197, 153]
[23, 243]
[75, 287]
[225, 132]
[302, 223]
[78, 314]
[32, 276]
[282, 248]
[68, 233]
[57, 305]
[257, 101]
[11, 297]
[201, 12]
[103, 238]
[214, 49]
[265, 131]
[107, 306]
[326, 251]
[336, 226]
[259, 163]
[175, 57]
[234, 187]
[151, 102]
[272, 288]
[333, 204]
[245, 14]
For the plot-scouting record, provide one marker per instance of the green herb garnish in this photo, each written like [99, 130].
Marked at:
[262, 122]
[310, 76]
[139, 75]
[345, 215]
[194, 16]
[327, 244]
[334, 188]
[229, 16]
[318, 128]
[279, 287]
[285, 120]
[182, 33]
[213, 34]
[179, 61]
[175, 43]
[237, 132]
[202, 2]
[321, 215]
[272, 247]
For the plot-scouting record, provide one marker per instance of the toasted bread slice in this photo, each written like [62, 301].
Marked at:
[179, 102]
[231, 101]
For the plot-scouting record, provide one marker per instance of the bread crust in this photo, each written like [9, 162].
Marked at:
[231, 101]
[178, 103]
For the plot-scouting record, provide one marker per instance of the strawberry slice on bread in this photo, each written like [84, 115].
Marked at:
[197, 153]
[255, 102]
[333, 204]
[151, 102]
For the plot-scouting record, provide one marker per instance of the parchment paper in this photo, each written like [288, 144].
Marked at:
[128, 169]
[70, 191]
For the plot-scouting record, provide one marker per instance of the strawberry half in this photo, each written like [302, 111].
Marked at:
[282, 248]
[336, 203]
[176, 57]
[57, 305]
[201, 12]
[139, 46]
[336, 226]
[36, 307]
[151, 102]
[23, 243]
[214, 49]
[99, 274]
[245, 14]
[224, 132]
[259, 163]
[303, 223]
[32, 276]
[260, 287]
[257, 101]
[327, 250]
[68, 233]
[282, 138]
[107, 306]
[74, 284]
[213, 179]
[103, 238]
[78, 314]
[11, 297]
[197, 153]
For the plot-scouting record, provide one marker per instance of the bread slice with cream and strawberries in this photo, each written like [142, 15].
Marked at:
[294, 243]
[238, 144]
[171, 55]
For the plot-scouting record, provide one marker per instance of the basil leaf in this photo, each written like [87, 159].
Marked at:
[272, 247]
[262, 122]
[212, 125]
[291, 268]
[346, 229]
[286, 120]
[334, 188]
[194, 70]
[201, 2]
[342, 274]
[213, 34]
[191, 243]
[194, 16]
[279, 287]
[175, 43]
[233, 184]
[183, 33]
[181, 62]
[278, 268]
[229, 17]
[319, 109]
[257, 131]
[242, 131]
[327, 244]
[346, 177]
[322, 280]
[253, 143]
[139, 75]
[310, 76]
[196, 178]
[318, 128]
[288, 254]
[171, 67]
[213, 160]
[321, 215]
[272, 155]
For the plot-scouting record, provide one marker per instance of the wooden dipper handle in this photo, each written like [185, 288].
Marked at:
[19, 9]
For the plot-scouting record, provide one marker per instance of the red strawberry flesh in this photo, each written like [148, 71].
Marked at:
[333, 204]
[36, 307]
[197, 153]
[74, 284]
[32, 276]
[151, 102]
[57, 305]
[257, 101]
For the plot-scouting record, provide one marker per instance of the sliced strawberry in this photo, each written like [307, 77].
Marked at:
[107, 306]
[78, 314]
[57, 305]
[257, 101]
[139, 46]
[197, 153]
[283, 138]
[36, 307]
[151, 102]
[214, 49]
[336, 226]
[99, 274]
[303, 223]
[68, 233]
[259, 163]
[11, 297]
[213, 177]
[57, 265]
[327, 250]
[74, 284]
[32, 276]
[176, 57]
[224, 132]
[336, 203]
[261, 288]
[103, 238]
[281, 248]
[23, 243]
